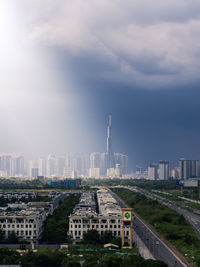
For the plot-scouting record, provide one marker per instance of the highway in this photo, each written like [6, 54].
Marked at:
[192, 218]
[159, 248]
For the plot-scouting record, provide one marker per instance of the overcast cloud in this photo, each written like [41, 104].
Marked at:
[152, 43]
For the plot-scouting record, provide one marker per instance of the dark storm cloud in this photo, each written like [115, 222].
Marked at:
[150, 43]
[110, 57]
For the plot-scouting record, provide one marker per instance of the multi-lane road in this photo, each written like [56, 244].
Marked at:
[192, 218]
[159, 248]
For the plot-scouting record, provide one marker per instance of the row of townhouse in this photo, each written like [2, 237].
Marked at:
[18, 195]
[85, 217]
[27, 220]
[27, 224]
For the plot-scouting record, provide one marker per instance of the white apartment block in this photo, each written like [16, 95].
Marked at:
[27, 224]
[85, 217]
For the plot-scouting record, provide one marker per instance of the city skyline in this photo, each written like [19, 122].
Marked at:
[63, 74]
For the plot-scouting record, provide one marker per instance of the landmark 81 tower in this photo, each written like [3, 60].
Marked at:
[110, 157]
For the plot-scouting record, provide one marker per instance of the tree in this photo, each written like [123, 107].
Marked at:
[12, 238]
[2, 235]
[91, 237]
[106, 237]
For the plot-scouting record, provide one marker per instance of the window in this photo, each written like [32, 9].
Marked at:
[22, 232]
[22, 226]
[26, 225]
[8, 225]
[30, 232]
[110, 226]
[17, 225]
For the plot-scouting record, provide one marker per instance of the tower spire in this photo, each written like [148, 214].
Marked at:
[108, 148]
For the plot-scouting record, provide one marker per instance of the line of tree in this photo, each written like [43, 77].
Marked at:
[54, 258]
[56, 225]
[164, 184]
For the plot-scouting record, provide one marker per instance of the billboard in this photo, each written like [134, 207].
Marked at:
[191, 183]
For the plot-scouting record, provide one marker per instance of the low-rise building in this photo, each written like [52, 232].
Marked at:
[27, 224]
[85, 217]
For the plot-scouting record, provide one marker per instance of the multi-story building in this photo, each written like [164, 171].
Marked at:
[153, 172]
[164, 170]
[51, 165]
[123, 161]
[12, 164]
[189, 168]
[94, 172]
[85, 216]
[42, 166]
[95, 160]
[34, 172]
[18, 195]
[27, 224]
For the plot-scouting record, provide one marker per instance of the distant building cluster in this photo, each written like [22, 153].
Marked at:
[106, 164]
[187, 169]
[11, 165]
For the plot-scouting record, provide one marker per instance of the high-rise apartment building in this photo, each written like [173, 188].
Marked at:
[12, 164]
[42, 166]
[189, 168]
[123, 161]
[164, 170]
[153, 172]
[51, 165]
[95, 160]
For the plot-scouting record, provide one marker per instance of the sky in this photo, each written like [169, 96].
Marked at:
[66, 65]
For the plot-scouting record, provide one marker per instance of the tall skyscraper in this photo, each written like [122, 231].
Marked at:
[107, 161]
[110, 156]
[164, 170]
